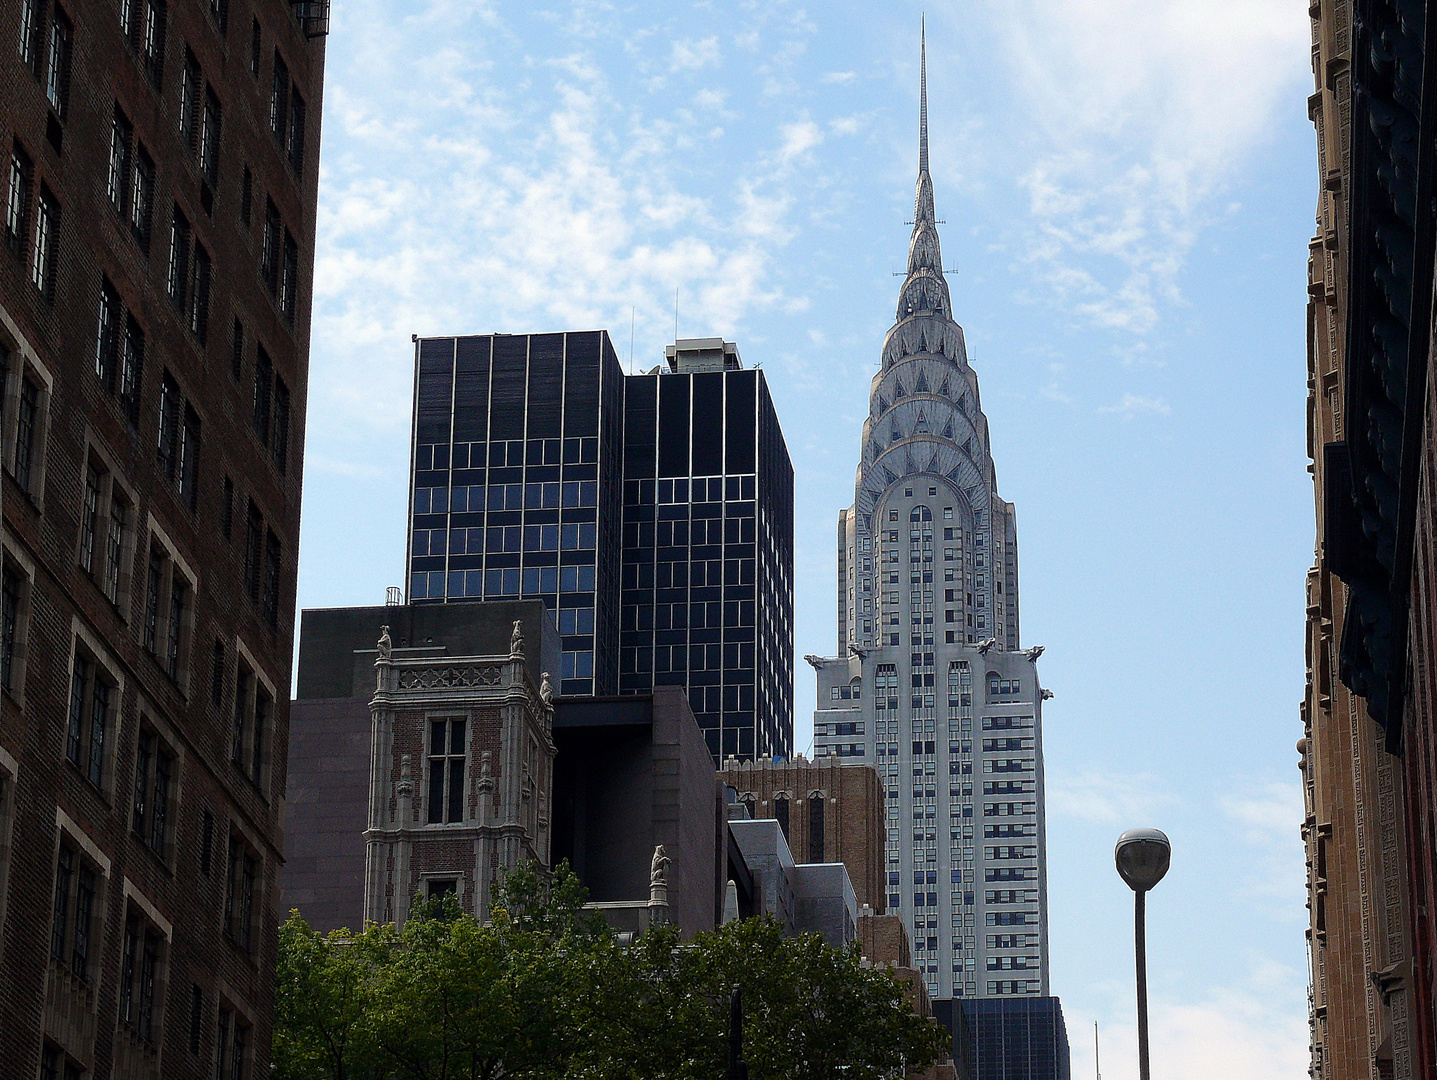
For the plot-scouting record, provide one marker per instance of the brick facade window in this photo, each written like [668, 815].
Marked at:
[232, 1046]
[15, 580]
[17, 199]
[141, 977]
[93, 713]
[155, 776]
[73, 924]
[42, 250]
[448, 751]
[241, 880]
[106, 530]
[252, 719]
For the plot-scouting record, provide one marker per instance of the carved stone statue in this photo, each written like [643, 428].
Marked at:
[546, 691]
[385, 644]
[405, 788]
[484, 759]
[516, 640]
[659, 868]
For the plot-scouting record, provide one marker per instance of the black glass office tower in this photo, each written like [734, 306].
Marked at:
[707, 591]
[1007, 1038]
[515, 484]
[652, 513]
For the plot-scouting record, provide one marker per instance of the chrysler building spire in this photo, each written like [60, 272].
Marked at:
[924, 289]
[923, 99]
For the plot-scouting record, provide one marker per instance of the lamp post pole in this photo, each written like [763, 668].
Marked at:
[1142, 856]
[1140, 947]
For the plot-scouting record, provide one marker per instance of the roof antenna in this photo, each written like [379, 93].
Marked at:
[1097, 1061]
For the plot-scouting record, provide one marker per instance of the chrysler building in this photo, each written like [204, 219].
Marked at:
[930, 685]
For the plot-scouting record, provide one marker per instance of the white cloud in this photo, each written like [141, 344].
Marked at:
[1143, 113]
[799, 139]
[1267, 817]
[1134, 404]
[839, 77]
[465, 202]
[711, 99]
[1268, 813]
[689, 55]
[1103, 798]
[1233, 1034]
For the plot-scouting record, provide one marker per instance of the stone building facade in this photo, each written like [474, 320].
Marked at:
[160, 191]
[461, 776]
[1355, 829]
[829, 812]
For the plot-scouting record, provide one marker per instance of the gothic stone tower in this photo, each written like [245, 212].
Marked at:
[461, 771]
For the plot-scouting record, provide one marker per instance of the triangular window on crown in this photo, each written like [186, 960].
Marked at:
[922, 337]
[882, 404]
[948, 430]
[922, 425]
[921, 386]
[894, 434]
[898, 391]
[943, 390]
[875, 448]
[888, 475]
[968, 447]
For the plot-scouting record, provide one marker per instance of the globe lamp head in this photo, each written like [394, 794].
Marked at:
[1142, 856]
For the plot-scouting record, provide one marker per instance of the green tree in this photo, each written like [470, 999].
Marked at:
[544, 990]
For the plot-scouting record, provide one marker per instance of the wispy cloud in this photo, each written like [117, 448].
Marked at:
[692, 55]
[465, 202]
[1104, 798]
[1136, 404]
[1141, 112]
[1266, 817]
[839, 77]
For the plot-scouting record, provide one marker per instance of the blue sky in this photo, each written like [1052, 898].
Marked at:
[1128, 189]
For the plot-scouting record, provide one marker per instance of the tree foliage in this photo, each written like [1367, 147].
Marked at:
[545, 990]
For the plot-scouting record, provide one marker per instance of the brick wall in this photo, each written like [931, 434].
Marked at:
[852, 814]
[51, 338]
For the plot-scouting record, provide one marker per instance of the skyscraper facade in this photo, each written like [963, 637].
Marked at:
[652, 513]
[929, 685]
[515, 486]
[160, 201]
[708, 548]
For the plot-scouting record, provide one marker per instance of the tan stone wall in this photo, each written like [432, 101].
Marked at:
[1352, 828]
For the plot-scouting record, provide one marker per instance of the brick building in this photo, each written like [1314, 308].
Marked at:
[1369, 755]
[828, 812]
[160, 198]
[1358, 918]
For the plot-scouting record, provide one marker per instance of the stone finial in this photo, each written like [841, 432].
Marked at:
[516, 640]
[659, 867]
[546, 691]
[484, 760]
[385, 644]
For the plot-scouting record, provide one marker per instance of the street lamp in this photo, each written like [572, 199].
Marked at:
[1142, 856]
